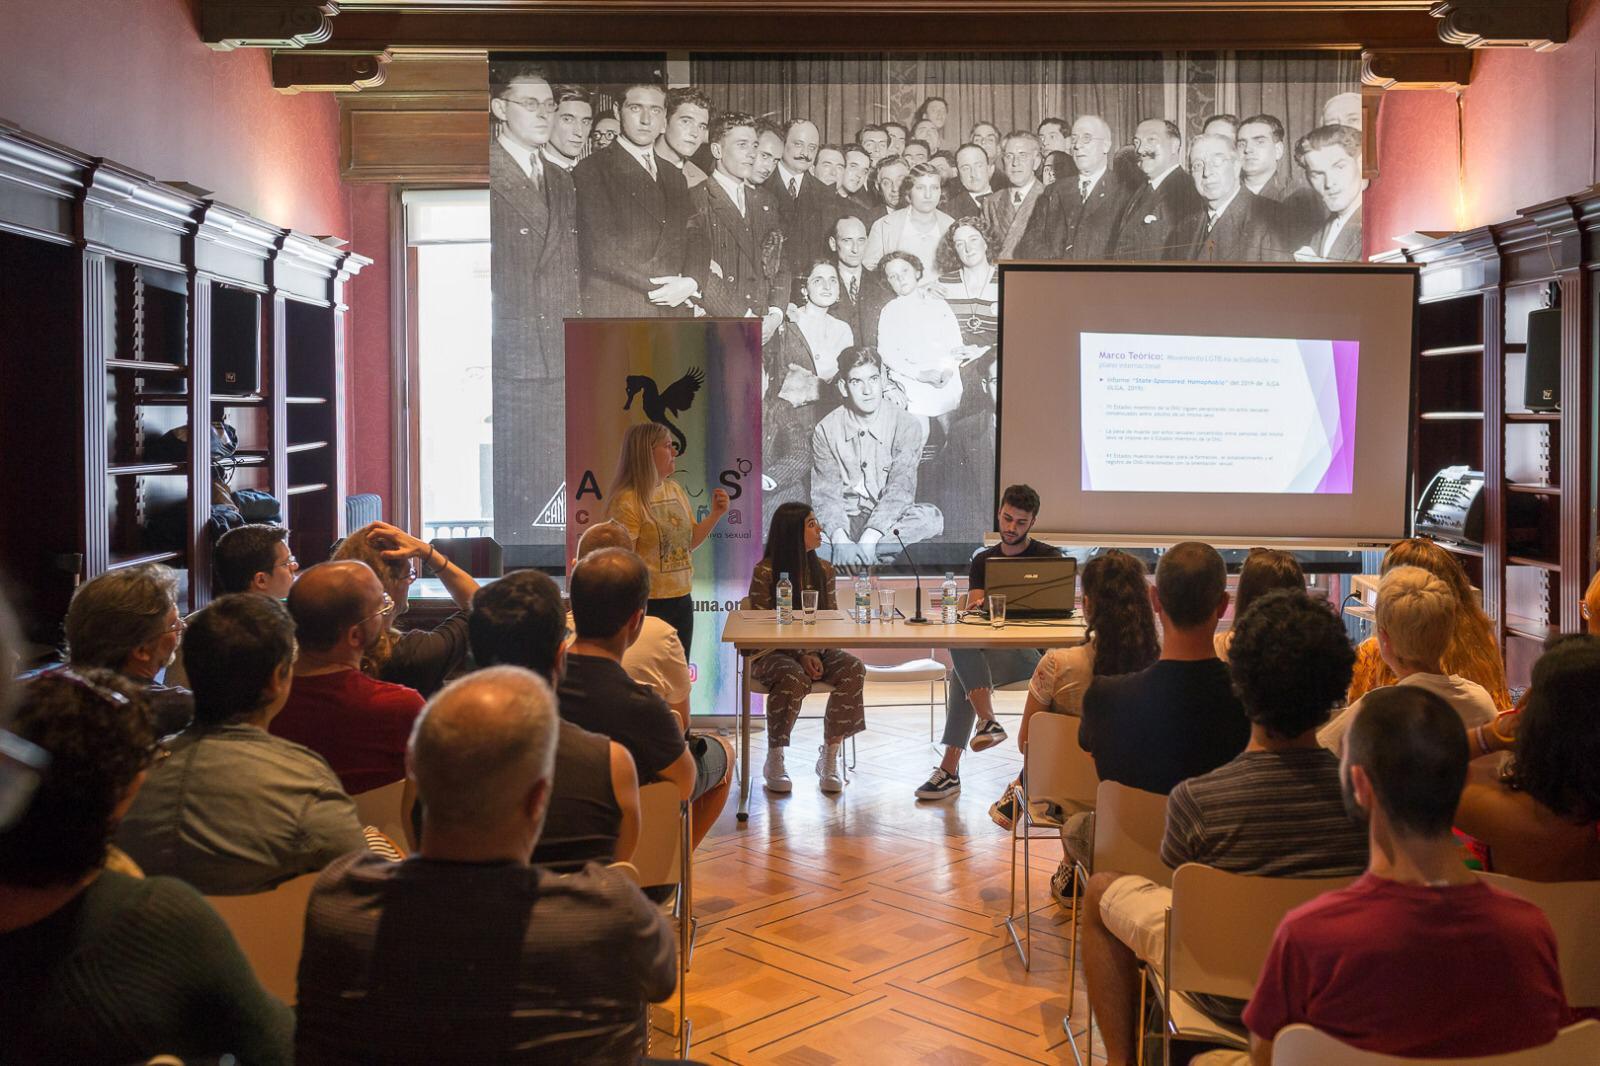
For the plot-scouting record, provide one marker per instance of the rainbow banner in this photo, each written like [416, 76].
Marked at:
[701, 378]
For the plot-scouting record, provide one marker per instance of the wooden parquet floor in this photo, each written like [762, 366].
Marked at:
[867, 927]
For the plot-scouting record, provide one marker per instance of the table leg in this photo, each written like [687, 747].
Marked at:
[744, 740]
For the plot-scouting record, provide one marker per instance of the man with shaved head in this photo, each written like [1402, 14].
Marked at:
[1235, 225]
[464, 952]
[357, 723]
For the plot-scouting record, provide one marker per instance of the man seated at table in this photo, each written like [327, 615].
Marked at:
[970, 691]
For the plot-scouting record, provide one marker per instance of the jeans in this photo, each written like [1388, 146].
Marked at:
[980, 668]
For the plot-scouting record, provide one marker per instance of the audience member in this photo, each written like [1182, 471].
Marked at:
[1590, 607]
[1416, 618]
[127, 620]
[1275, 810]
[100, 966]
[254, 558]
[233, 809]
[1264, 570]
[1396, 962]
[1474, 652]
[464, 953]
[593, 812]
[357, 723]
[418, 658]
[656, 660]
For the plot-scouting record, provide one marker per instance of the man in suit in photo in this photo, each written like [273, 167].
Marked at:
[917, 152]
[986, 135]
[769, 149]
[1152, 225]
[1342, 109]
[862, 292]
[1262, 144]
[739, 225]
[829, 165]
[855, 181]
[569, 134]
[897, 137]
[1053, 136]
[688, 117]
[1078, 216]
[887, 177]
[606, 129]
[1331, 159]
[1236, 225]
[534, 279]
[972, 187]
[875, 139]
[633, 220]
[1008, 212]
[806, 205]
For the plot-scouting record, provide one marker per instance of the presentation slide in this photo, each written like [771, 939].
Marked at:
[1174, 413]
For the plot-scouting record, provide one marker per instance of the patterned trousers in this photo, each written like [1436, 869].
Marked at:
[787, 684]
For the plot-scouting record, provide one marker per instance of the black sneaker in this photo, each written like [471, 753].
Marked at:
[1003, 811]
[941, 785]
[1064, 883]
[988, 735]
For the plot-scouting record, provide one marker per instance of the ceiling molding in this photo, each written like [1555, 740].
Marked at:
[229, 24]
[326, 71]
[1542, 25]
[1416, 68]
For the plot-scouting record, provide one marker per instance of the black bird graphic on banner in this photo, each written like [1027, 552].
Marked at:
[676, 399]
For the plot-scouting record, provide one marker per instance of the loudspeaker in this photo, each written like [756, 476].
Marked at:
[235, 341]
[1542, 382]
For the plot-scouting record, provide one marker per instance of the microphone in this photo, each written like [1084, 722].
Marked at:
[916, 619]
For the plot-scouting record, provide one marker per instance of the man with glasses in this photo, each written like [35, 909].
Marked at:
[250, 558]
[1078, 216]
[605, 130]
[1235, 224]
[1009, 212]
[359, 724]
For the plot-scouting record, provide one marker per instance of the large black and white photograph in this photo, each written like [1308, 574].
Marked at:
[858, 206]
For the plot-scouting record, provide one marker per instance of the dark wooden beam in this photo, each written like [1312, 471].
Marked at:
[230, 24]
[1542, 25]
[1416, 68]
[327, 70]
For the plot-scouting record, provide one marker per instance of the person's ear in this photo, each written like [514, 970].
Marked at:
[258, 581]
[497, 108]
[1155, 601]
[1361, 787]
[1222, 605]
[534, 802]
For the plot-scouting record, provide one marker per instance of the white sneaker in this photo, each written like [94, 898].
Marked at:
[774, 774]
[829, 778]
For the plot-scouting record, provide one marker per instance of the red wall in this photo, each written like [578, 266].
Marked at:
[368, 374]
[1527, 127]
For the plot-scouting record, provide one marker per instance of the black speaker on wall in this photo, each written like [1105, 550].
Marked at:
[235, 341]
[1542, 388]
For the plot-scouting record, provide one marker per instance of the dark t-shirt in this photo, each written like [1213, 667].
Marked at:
[976, 577]
[598, 694]
[581, 823]
[1169, 722]
[424, 659]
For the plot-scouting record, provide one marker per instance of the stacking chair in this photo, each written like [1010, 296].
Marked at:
[270, 928]
[1057, 774]
[1573, 908]
[662, 858]
[385, 809]
[1301, 1045]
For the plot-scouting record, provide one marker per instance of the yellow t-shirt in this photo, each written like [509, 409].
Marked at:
[662, 535]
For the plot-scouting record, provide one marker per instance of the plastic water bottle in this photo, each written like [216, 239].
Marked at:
[947, 600]
[785, 600]
[863, 611]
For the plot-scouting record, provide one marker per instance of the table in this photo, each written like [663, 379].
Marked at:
[759, 631]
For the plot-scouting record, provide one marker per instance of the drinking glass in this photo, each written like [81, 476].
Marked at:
[808, 607]
[997, 611]
[886, 605]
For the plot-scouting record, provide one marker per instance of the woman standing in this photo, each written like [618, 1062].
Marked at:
[792, 542]
[656, 512]
[917, 227]
[802, 362]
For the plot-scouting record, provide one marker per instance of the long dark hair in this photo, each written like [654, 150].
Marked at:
[786, 548]
[1557, 754]
[1121, 620]
[1265, 570]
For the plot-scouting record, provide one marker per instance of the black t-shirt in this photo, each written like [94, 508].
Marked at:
[581, 823]
[598, 695]
[1167, 723]
[975, 576]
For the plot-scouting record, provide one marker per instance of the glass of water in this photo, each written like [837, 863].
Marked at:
[997, 610]
[808, 607]
[886, 605]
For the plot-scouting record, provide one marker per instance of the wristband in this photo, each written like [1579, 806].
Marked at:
[1477, 737]
[1501, 737]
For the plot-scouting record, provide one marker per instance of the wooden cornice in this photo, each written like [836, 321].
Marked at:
[229, 24]
[1416, 68]
[1538, 24]
[327, 70]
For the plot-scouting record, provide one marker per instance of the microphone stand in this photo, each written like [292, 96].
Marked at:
[916, 619]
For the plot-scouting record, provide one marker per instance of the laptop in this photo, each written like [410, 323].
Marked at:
[1035, 586]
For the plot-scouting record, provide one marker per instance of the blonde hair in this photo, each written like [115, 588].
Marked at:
[1591, 599]
[1417, 612]
[636, 467]
[393, 576]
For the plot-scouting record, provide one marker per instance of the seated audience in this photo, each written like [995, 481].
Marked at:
[1264, 570]
[593, 813]
[99, 966]
[233, 809]
[1474, 651]
[1396, 963]
[1276, 810]
[128, 621]
[1417, 617]
[1537, 817]
[793, 538]
[610, 591]
[250, 558]
[357, 723]
[418, 658]
[464, 953]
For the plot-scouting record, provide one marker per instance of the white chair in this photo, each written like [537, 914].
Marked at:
[386, 810]
[663, 858]
[1573, 908]
[1057, 775]
[927, 671]
[270, 928]
[1301, 1045]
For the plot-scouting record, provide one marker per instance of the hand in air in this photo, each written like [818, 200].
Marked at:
[719, 503]
[396, 544]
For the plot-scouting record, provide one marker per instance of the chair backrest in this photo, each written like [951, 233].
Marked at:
[659, 854]
[478, 556]
[1222, 925]
[1573, 908]
[270, 928]
[1058, 767]
[1128, 826]
[1301, 1045]
[383, 808]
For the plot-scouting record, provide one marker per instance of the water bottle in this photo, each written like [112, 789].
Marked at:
[785, 600]
[947, 600]
[863, 612]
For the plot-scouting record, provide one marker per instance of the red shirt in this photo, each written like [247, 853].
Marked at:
[359, 725]
[1414, 970]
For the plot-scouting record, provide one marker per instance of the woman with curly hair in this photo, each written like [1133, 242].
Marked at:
[1474, 653]
[417, 658]
[970, 284]
[1537, 818]
[1265, 570]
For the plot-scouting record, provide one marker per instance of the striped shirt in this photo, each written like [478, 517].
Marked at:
[1266, 814]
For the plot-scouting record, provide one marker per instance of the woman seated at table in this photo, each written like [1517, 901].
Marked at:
[1265, 570]
[792, 542]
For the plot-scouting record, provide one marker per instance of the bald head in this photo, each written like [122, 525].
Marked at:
[483, 750]
[607, 587]
[330, 598]
[604, 535]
